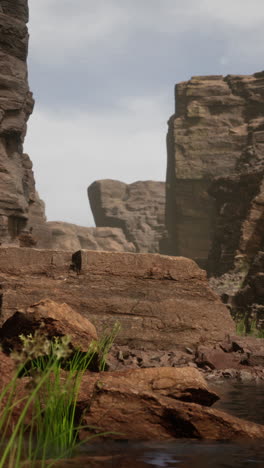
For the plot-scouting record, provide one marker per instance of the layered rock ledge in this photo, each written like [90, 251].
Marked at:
[161, 302]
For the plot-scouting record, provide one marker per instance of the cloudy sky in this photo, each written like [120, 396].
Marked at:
[103, 75]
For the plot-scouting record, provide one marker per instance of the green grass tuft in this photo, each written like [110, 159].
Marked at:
[51, 400]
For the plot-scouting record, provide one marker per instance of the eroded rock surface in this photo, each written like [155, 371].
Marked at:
[138, 209]
[17, 185]
[217, 131]
[161, 302]
[152, 404]
[51, 319]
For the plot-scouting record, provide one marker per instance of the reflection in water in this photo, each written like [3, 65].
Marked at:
[242, 400]
[182, 454]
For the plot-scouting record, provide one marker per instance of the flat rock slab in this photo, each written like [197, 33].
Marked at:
[161, 302]
[185, 384]
[148, 404]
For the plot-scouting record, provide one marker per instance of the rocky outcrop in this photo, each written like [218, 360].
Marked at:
[138, 209]
[217, 131]
[145, 404]
[161, 302]
[17, 185]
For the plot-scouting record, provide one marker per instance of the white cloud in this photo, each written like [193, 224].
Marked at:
[243, 14]
[70, 150]
[61, 29]
[64, 29]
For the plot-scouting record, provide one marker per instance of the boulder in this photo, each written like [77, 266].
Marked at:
[216, 358]
[185, 384]
[153, 404]
[51, 319]
[138, 209]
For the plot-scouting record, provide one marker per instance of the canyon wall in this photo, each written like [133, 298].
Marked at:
[217, 131]
[213, 211]
[22, 212]
[17, 185]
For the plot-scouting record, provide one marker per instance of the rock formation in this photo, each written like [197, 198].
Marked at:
[22, 213]
[17, 185]
[145, 404]
[66, 236]
[161, 302]
[151, 404]
[217, 131]
[214, 188]
[50, 319]
[138, 209]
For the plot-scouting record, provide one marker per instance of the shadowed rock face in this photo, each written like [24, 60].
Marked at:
[239, 223]
[17, 185]
[217, 131]
[138, 209]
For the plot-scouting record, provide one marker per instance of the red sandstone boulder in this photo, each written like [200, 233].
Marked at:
[216, 358]
[154, 404]
[53, 319]
[186, 384]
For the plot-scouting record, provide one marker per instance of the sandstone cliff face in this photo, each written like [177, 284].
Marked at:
[17, 185]
[238, 230]
[217, 131]
[138, 209]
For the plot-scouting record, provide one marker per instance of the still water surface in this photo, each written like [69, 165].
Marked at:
[241, 400]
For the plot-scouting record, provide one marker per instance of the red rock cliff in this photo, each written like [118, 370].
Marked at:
[17, 185]
[217, 131]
